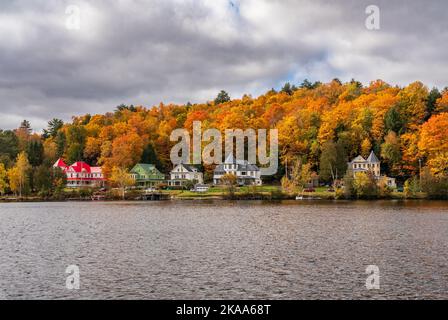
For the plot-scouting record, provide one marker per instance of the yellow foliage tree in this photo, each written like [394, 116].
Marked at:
[121, 179]
[3, 177]
[19, 175]
[366, 147]
[442, 103]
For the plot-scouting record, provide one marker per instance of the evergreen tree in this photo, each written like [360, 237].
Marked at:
[35, 152]
[393, 120]
[53, 128]
[222, 97]
[431, 102]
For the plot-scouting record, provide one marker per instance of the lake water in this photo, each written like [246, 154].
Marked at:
[224, 250]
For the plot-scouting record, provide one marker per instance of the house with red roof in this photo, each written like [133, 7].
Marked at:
[80, 174]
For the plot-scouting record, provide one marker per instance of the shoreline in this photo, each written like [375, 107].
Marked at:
[263, 193]
[220, 198]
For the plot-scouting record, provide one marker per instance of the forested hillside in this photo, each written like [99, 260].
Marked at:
[324, 125]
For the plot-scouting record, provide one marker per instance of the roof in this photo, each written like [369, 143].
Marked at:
[190, 167]
[60, 164]
[359, 159]
[147, 169]
[242, 165]
[80, 166]
[230, 159]
[372, 158]
[145, 166]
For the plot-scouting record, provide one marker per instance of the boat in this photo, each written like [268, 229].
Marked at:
[299, 197]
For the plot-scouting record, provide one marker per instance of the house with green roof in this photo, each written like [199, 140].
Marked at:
[146, 175]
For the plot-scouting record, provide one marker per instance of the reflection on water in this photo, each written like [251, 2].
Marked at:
[224, 250]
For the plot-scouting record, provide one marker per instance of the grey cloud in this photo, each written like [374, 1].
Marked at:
[144, 52]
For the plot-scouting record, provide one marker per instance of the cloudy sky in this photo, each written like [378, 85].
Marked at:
[143, 52]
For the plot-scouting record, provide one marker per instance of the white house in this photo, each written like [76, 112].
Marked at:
[185, 172]
[80, 174]
[246, 173]
[371, 164]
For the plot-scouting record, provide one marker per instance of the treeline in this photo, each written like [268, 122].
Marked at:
[322, 125]
[25, 167]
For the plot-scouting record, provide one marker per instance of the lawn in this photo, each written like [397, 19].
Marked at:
[217, 191]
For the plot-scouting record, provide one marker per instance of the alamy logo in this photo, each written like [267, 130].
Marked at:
[373, 18]
[72, 281]
[234, 141]
[73, 21]
[373, 279]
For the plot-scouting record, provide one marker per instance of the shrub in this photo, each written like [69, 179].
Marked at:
[365, 186]
[411, 187]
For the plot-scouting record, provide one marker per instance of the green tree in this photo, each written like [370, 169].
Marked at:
[288, 88]
[53, 128]
[123, 107]
[60, 144]
[393, 121]
[76, 138]
[328, 160]
[411, 187]
[150, 156]
[433, 95]
[25, 125]
[349, 187]
[43, 180]
[74, 152]
[308, 85]
[222, 97]
[35, 152]
[9, 146]
[391, 149]
[332, 162]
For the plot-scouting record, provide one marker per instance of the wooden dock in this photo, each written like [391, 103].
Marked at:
[155, 196]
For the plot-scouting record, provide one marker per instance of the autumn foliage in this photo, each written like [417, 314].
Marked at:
[406, 126]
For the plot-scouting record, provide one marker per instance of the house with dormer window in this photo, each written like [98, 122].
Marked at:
[146, 175]
[80, 174]
[373, 165]
[182, 173]
[245, 172]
